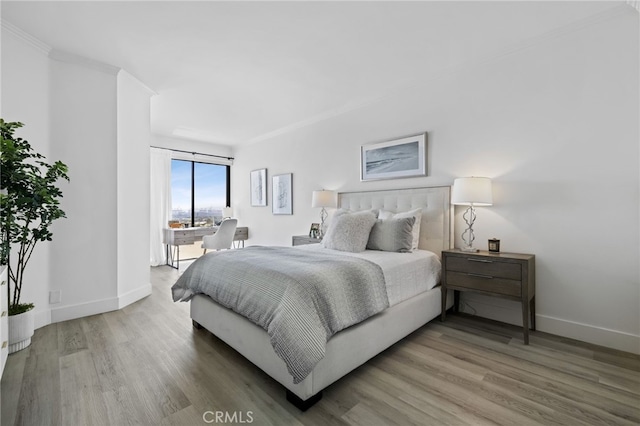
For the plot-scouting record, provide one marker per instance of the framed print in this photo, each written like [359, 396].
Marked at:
[400, 158]
[282, 195]
[259, 188]
[314, 232]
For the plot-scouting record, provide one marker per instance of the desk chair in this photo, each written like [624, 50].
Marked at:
[223, 238]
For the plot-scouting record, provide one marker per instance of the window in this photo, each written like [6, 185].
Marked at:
[199, 192]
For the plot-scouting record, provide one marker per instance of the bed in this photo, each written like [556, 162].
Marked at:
[353, 346]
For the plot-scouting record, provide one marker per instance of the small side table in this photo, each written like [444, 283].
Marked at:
[506, 275]
[300, 240]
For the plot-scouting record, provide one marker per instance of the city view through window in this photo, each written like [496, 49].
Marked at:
[198, 192]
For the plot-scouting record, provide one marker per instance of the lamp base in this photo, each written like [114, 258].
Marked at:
[469, 249]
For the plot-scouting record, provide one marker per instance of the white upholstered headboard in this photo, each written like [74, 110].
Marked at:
[436, 228]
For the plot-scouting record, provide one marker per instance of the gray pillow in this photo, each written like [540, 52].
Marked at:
[349, 231]
[392, 235]
[417, 213]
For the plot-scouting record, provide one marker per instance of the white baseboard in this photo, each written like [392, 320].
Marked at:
[511, 313]
[134, 295]
[80, 310]
[587, 333]
[48, 316]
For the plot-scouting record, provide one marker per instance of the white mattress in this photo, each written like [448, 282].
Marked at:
[405, 274]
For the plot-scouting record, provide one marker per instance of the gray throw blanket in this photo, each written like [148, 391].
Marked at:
[300, 297]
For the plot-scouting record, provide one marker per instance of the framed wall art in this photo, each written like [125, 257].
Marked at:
[282, 194]
[314, 232]
[400, 158]
[258, 188]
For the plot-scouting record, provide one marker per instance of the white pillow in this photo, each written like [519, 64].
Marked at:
[417, 213]
[349, 231]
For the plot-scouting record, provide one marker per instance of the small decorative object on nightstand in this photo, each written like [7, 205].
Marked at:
[494, 245]
[314, 231]
[506, 275]
[300, 240]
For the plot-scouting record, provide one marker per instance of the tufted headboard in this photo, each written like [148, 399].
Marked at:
[436, 227]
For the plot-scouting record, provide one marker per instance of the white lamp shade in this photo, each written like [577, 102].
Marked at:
[227, 212]
[324, 198]
[474, 191]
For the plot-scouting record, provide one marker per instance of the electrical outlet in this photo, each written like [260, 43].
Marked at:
[55, 296]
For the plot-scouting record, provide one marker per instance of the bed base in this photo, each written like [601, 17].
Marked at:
[345, 351]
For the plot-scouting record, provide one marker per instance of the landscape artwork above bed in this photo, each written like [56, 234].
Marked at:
[400, 158]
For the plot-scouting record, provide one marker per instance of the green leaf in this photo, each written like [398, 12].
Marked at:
[30, 202]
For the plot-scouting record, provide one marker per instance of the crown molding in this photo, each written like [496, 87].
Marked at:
[604, 16]
[37, 44]
[56, 54]
[573, 27]
[70, 58]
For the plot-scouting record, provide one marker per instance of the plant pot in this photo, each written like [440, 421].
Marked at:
[20, 331]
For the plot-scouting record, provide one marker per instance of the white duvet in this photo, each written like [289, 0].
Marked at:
[406, 274]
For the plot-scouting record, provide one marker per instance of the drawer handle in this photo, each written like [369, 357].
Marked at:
[489, 277]
[479, 260]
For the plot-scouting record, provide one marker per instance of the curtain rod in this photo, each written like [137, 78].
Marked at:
[192, 152]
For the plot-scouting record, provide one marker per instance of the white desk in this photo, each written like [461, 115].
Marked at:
[177, 237]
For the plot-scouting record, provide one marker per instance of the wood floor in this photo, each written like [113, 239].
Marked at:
[145, 364]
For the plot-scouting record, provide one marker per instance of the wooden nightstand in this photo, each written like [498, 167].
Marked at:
[300, 240]
[506, 275]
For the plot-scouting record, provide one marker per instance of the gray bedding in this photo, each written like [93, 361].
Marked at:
[301, 298]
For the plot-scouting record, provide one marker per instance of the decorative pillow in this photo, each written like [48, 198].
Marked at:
[417, 214]
[349, 231]
[347, 211]
[394, 234]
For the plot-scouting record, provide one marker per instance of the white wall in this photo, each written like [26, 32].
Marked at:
[554, 123]
[98, 258]
[25, 98]
[133, 188]
[84, 136]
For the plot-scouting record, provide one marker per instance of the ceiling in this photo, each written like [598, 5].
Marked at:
[243, 72]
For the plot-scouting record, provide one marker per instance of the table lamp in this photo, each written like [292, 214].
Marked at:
[472, 192]
[323, 198]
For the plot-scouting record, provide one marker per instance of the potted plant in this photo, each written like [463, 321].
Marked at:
[29, 203]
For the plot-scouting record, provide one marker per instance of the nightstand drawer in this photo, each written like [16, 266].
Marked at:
[242, 233]
[480, 282]
[485, 266]
[299, 240]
